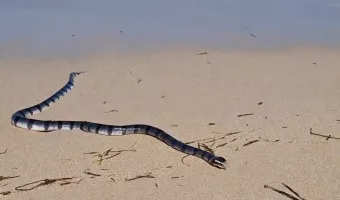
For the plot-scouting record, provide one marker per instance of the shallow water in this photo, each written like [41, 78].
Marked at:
[74, 27]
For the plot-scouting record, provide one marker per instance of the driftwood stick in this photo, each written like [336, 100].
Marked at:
[325, 136]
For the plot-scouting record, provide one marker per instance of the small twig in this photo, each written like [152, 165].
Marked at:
[139, 80]
[8, 177]
[250, 142]
[93, 152]
[163, 96]
[111, 111]
[112, 156]
[203, 53]
[174, 125]
[223, 144]
[140, 176]
[43, 183]
[69, 182]
[183, 160]
[213, 143]
[102, 156]
[212, 139]
[232, 133]
[90, 173]
[6, 193]
[175, 177]
[205, 147]
[290, 189]
[325, 136]
[3, 152]
[242, 115]
[211, 124]
[266, 140]
[281, 192]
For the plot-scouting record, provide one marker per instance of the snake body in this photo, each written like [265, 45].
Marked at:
[20, 120]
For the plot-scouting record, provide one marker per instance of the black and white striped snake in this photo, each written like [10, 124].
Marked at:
[19, 119]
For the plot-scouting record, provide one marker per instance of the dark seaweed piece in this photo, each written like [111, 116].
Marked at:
[6, 193]
[3, 152]
[325, 136]
[183, 160]
[290, 189]
[250, 142]
[242, 115]
[90, 173]
[42, 183]
[111, 111]
[8, 177]
[140, 176]
[281, 192]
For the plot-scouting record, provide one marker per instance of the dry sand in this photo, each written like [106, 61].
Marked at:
[191, 91]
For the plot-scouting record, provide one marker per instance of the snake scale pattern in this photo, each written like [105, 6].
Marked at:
[20, 120]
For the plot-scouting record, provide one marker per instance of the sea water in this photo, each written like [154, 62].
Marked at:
[75, 27]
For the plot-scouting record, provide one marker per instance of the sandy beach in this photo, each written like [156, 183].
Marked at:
[274, 116]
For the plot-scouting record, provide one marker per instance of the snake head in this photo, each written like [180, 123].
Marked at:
[218, 162]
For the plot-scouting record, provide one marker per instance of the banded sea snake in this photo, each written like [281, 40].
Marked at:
[20, 120]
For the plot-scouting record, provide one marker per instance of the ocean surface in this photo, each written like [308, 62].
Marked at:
[75, 27]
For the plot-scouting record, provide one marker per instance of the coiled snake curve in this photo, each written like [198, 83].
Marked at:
[20, 120]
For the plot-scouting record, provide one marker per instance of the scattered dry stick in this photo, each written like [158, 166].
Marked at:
[111, 111]
[205, 147]
[3, 152]
[175, 177]
[250, 142]
[90, 173]
[41, 183]
[140, 176]
[7, 177]
[242, 115]
[69, 182]
[92, 152]
[183, 160]
[203, 53]
[325, 136]
[223, 144]
[212, 139]
[284, 193]
[290, 189]
[106, 154]
[6, 193]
